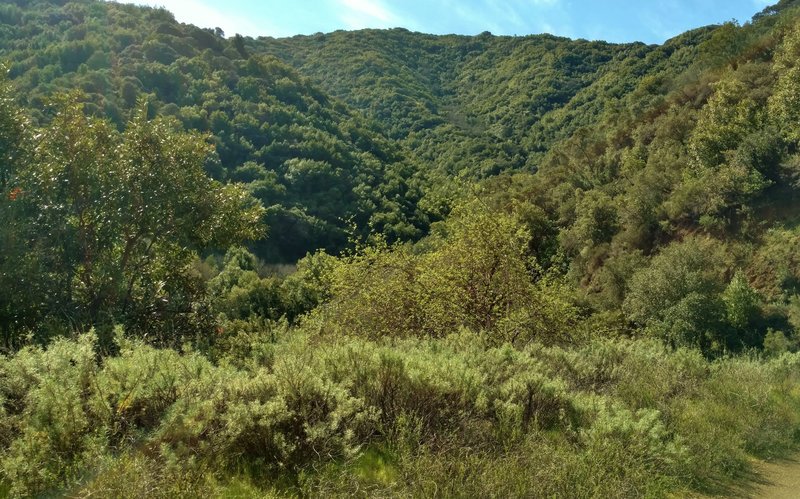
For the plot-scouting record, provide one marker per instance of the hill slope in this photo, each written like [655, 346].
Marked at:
[392, 123]
[273, 128]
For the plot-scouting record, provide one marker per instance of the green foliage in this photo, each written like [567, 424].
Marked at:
[115, 219]
[743, 309]
[677, 296]
[16, 271]
[723, 177]
[304, 415]
[258, 109]
[570, 267]
[13, 139]
[245, 288]
[51, 437]
[595, 223]
[784, 106]
[776, 343]
[775, 267]
[474, 271]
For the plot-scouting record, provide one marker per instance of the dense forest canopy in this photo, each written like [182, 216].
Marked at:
[346, 263]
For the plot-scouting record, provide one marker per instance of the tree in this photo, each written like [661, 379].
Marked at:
[784, 104]
[473, 272]
[116, 218]
[479, 271]
[743, 313]
[728, 154]
[677, 297]
[596, 222]
[13, 137]
[239, 292]
[238, 44]
[16, 272]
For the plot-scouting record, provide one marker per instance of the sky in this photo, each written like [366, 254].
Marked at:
[650, 21]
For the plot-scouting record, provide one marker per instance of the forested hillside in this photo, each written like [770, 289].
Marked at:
[380, 118]
[272, 128]
[385, 263]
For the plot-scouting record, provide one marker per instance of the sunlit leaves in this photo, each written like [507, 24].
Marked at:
[784, 105]
[473, 272]
[116, 216]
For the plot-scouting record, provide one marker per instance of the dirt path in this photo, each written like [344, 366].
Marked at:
[778, 480]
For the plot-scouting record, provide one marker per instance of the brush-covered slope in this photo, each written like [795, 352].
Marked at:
[610, 305]
[314, 162]
[381, 129]
[501, 100]
[612, 151]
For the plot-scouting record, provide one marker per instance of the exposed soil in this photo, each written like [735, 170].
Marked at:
[778, 480]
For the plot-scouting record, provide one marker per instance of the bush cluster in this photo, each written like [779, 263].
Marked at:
[312, 414]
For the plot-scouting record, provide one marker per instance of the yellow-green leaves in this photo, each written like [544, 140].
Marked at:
[117, 216]
[784, 104]
[473, 272]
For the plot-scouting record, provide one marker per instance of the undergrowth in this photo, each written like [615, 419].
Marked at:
[451, 417]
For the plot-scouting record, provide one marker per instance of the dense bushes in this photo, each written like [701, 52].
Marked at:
[475, 270]
[102, 226]
[259, 109]
[619, 417]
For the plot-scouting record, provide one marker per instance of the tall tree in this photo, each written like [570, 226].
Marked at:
[116, 218]
[15, 297]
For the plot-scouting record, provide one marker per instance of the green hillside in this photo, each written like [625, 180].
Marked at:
[272, 128]
[382, 263]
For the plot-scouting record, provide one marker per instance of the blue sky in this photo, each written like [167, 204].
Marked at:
[651, 21]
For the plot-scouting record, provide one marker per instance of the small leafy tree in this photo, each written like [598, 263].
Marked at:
[784, 104]
[677, 297]
[473, 272]
[116, 219]
[18, 272]
[743, 312]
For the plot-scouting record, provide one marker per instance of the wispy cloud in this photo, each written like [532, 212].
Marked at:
[368, 8]
[358, 14]
[511, 17]
[201, 13]
[614, 20]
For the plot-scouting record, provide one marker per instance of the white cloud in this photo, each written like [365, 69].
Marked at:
[508, 12]
[477, 20]
[358, 14]
[513, 17]
[201, 14]
[368, 8]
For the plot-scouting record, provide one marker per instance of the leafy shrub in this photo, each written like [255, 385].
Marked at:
[302, 413]
[45, 393]
[474, 272]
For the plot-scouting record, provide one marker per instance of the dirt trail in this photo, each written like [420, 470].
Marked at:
[778, 480]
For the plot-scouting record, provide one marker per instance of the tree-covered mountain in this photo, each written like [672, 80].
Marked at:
[381, 118]
[273, 129]
[520, 266]
[503, 100]
[486, 89]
